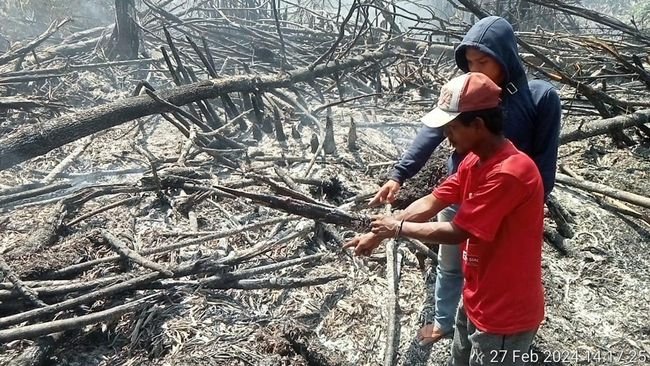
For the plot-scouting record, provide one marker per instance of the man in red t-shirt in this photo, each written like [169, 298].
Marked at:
[499, 225]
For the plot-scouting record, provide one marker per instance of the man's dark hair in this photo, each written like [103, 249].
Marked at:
[492, 117]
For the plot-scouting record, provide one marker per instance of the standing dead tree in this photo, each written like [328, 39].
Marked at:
[125, 40]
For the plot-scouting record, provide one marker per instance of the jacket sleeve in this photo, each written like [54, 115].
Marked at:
[414, 158]
[547, 132]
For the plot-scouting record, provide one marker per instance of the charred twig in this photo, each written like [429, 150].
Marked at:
[126, 201]
[134, 256]
[276, 283]
[55, 288]
[4, 200]
[22, 289]
[287, 191]
[67, 161]
[283, 50]
[26, 103]
[255, 271]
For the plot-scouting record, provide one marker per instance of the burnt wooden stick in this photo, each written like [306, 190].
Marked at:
[258, 109]
[33, 193]
[104, 292]
[22, 289]
[287, 191]
[588, 186]
[134, 256]
[259, 270]
[37, 330]
[230, 107]
[392, 301]
[594, 16]
[67, 161]
[205, 107]
[177, 57]
[62, 288]
[277, 26]
[309, 210]
[314, 143]
[187, 147]
[208, 66]
[422, 248]
[286, 178]
[26, 103]
[170, 67]
[126, 201]
[556, 240]
[208, 55]
[179, 110]
[38, 353]
[21, 188]
[275, 283]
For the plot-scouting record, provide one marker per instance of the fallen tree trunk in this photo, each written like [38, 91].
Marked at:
[605, 190]
[28, 144]
[36, 330]
[604, 126]
[305, 209]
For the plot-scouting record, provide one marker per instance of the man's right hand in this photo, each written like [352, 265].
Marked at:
[386, 194]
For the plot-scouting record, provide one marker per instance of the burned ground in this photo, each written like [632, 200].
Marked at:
[284, 292]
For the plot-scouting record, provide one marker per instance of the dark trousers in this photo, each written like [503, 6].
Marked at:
[472, 347]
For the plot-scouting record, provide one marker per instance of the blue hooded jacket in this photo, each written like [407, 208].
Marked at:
[532, 111]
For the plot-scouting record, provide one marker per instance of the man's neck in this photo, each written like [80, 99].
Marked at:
[489, 147]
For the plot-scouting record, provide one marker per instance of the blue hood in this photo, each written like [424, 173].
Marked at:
[494, 36]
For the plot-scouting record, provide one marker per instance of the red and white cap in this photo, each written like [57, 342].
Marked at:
[465, 93]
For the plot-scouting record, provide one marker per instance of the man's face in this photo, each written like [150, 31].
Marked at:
[478, 61]
[461, 137]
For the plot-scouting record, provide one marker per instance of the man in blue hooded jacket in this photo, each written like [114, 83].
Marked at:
[532, 123]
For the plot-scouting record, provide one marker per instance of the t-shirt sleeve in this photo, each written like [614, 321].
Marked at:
[481, 214]
[449, 190]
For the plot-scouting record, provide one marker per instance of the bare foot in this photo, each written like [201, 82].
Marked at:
[429, 334]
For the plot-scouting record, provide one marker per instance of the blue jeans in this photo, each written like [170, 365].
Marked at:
[449, 278]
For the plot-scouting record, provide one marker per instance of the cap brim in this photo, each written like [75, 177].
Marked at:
[438, 118]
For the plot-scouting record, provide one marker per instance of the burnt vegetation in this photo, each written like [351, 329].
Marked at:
[177, 177]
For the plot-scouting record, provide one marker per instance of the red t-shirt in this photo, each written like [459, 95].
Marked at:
[502, 207]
